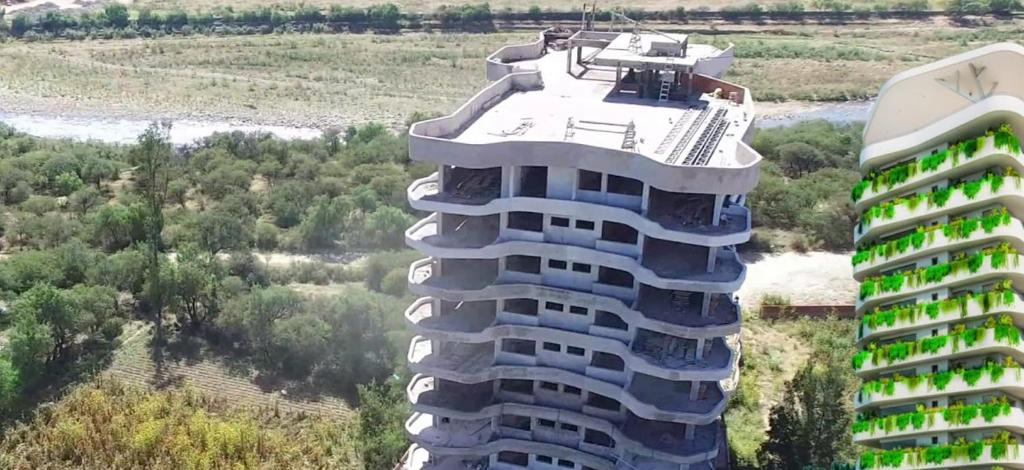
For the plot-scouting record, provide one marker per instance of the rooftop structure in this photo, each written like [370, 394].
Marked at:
[938, 248]
[578, 307]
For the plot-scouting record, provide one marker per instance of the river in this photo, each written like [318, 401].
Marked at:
[124, 131]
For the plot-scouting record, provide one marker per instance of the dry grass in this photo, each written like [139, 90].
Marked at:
[313, 80]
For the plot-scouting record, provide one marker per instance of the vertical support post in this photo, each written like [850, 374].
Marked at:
[618, 76]
[568, 60]
[712, 256]
[717, 213]
[694, 389]
[699, 353]
[705, 308]
[689, 84]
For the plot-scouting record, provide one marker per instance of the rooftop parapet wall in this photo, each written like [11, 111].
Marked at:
[502, 61]
[989, 71]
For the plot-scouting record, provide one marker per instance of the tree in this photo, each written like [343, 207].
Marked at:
[288, 201]
[29, 345]
[84, 199]
[216, 231]
[811, 425]
[323, 223]
[381, 437]
[51, 307]
[194, 281]
[116, 15]
[798, 159]
[152, 157]
[386, 227]
[95, 170]
[251, 318]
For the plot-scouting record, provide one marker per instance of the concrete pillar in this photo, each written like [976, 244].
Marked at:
[440, 177]
[568, 61]
[618, 76]
[645, 199]
[690, 429]
[694, 390]
[699, 354]
[506, 180]
[712, 256]
[689, 84]
[579, 55]
[719, 202]
[705, 309]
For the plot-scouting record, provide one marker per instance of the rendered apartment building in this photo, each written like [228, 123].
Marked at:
[577, 306]
[938, 260]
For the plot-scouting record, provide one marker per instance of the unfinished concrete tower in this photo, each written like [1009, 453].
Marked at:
[938, 259]
[578, 308]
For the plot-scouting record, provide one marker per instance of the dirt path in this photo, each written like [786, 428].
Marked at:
[807, 279]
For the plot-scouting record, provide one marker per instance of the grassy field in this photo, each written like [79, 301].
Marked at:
[324, 80]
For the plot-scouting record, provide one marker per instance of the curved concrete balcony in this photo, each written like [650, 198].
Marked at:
[722, 320]
[974, 310]
[1009, 195]
[661, 441]
[1012, 233]
[727, 277]
[984, 274]
[484, 442]
[734, 229]
[1013, 422]
[654, 358]
[646, 396]
[504, 61]
[1011, 383]
[988, 345]
[987, 156]
[654, 354]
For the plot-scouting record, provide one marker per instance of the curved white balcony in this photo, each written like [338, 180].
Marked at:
[727, 277]
[661, 441]
[974, 310]
[987, 156]
[1011, 383]
[1014, 458]
[484, 441]
[425, 194]
[647, 397]
[654, 354]
[1012, 233]
[936, 423]
[985, 273]
[988, 345]
[722, 319]
[1009, 195]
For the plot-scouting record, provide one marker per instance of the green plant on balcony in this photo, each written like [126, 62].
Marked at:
[999, 256]
[939, 197]
[925, 235]
[998, 447]
[999, 295]
[957, 414]
[1003, 331]
[940, 380]
[1003, 138]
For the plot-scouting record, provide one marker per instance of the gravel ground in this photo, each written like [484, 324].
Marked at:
[807, 279]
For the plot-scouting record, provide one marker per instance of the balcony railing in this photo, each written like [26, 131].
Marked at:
[916, 387]
[998, 257]
[923, 419]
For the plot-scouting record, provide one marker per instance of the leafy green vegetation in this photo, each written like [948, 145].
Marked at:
[938, 198]
[999, 256]
[957, 414]
[939, 380]
[961, 450]
[924, 235]
[804, 164]
[1001, 294]
[1004, 331]
[1002, 138]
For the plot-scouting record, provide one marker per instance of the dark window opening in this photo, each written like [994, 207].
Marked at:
[560, 221]
[473, 183]
[552, 347]
[609, 320]
[532, 221]
[554, 306]
[519, 346]
[589, 180]
[574, 350]
[572, 390]
[577, 310]
[516, 386]
[614, 277]
[514, 458]
[557, 264]
[546, 423]
[603, 402]
[607, 361]
[533, 181]
[619, 233]
[623, 185]
[544, 459]
[516, 422]
[585, 225]
[549, 386]
[522, 306]
[591, 436]
[581, 268]
[570, 427]
[566, 464]
[523, 264]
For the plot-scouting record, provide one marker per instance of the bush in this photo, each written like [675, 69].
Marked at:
[378, 265]
[395, 282]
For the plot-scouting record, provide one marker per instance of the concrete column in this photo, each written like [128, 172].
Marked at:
[690, 428]
[579, 55]
[694, 390]
[689, 84]
[618, 76]
[641, 238]
[705, 309]
[645, 199]
[506, 181]
[719, 202]
[712, 256]
[568, 61]
[699, 354]
[440, 177]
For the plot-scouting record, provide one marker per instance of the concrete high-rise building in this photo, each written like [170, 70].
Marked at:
[578, 307]
[938, 260]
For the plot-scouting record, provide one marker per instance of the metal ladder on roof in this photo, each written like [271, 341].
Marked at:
[666, 87]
